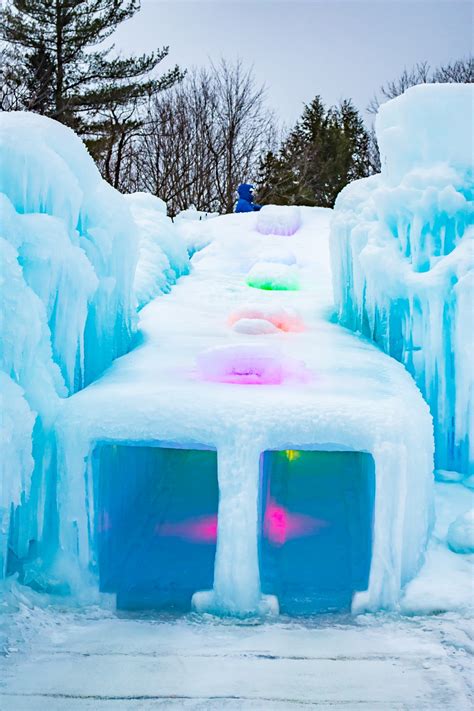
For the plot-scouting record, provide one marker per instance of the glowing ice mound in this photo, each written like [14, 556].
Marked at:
[272, 276]
[461, 533]
[284, 319]
[277, 254]
[248, 365]
[277, 220]
[254, 326]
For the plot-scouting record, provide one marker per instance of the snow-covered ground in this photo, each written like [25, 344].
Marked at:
[94, 659]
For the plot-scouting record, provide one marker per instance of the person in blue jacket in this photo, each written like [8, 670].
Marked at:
[245, 202]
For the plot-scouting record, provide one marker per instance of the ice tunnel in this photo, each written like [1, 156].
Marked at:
[156, 530]
[316, 517]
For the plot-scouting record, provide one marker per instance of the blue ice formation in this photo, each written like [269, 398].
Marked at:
[163, 257]
[69, 248]
[402, 255]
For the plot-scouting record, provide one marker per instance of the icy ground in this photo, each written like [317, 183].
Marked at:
[59, 659]
[94, 660]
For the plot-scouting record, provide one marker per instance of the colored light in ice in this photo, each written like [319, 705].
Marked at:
[283, 319]
[250, 365]
[272, 285]
[292, 454]
[273, 276]
[241, 364]
[200, 530]
[280, 525]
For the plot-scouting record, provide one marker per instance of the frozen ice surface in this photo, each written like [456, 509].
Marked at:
[68, 252]
[91, 659]
[461, 533]
[357, 398]
[273, 276]
[402, 255]
[447, 475]
[163, 256]
[276, 220]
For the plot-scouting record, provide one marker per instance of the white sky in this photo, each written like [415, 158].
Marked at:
[300, 48]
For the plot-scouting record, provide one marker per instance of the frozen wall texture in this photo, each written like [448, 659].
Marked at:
[402, 255]
[69, 248]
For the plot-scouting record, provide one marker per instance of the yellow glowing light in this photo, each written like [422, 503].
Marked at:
[292, 454]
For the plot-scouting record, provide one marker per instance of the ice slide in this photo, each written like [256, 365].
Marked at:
[249, 453]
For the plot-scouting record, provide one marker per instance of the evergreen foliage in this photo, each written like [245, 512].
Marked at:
[53, 46]
[327, 149]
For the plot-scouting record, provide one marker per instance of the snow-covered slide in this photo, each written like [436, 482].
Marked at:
[282, 452]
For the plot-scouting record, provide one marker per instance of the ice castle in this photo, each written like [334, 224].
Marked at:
[233, 448]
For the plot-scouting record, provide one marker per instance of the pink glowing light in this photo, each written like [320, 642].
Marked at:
[280, 525]
[244, 365]
[283, 319]
[198, 530]
[249, 365]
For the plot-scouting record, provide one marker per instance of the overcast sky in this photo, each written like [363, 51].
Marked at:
[300, 48]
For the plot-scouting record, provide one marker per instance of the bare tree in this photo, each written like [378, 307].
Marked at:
[203, 137]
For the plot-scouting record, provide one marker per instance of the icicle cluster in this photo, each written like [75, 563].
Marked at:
[402, 255]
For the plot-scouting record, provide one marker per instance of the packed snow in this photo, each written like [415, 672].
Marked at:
[403, 258]
[272, 220]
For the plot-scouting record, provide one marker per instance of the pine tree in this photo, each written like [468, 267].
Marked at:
[326, 149]
[66, 76]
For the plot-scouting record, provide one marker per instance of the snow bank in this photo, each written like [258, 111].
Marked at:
[444, 583]
[402, 255]
[163, 257]
[461, 533]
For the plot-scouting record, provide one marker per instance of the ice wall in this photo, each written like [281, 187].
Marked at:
[69, 245]
[402, 255]
[163, 256]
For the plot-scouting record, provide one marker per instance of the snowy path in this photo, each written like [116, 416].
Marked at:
[353, 398]
[94, 661]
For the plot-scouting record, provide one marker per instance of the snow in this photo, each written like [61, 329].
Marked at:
[273, 276]
[92, 659]
[445, 582]
[461, 533]
[248, 365]
[276, 220]
[402, 255]
[356, 398]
